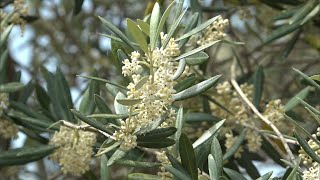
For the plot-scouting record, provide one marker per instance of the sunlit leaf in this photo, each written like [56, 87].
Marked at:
[196, 89]
[116, 156]
[305, 146]
[208, 134]
[137, 35]
[198, 28]
[235, 146]
[104, 169]
[197, 59]
[177, 173]
[24, 155]
[293, 102]
[142, 176]
[196, 50]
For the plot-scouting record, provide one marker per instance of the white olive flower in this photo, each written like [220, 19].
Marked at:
[4, 102]
[313, 173]
[215, 31]
[306, 159]
[75, 150]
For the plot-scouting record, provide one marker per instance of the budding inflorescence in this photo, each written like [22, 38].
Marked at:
[15, 17]
[7, 128]
[306, 159]
[239, 115]
[155, 94]
[74, 150]
[214, 32]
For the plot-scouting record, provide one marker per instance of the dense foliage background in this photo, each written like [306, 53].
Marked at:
[269, 60]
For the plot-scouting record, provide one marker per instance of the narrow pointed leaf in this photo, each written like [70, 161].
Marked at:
[116, 39]
[24, 155]
[312, 82]
[213, 169]
[104, 81]
[208, 134]
[116, 156]
[185, 83]
[137, 164]
[128, 102]
[176, 163]
[235, 146]
[199, 117]
[163, 19]
[309, 106]
[102, 151]
[194, 51]
[196, 89]
[217, 155]
[137, 35]
[258, 81]
[198, 28]
[109, 116]
[267, 176]
[145, 27]
[180, 69]
[104, 169]
[119, 108]
[187, 155]
[233, 175]
[11, 87]
[193, 23]
[116, 31]
[178, 125]
[101, 105]
[173, 28]
[303, 130]
[155, 142]
[141, 82]
[178, 174]
[159, 133]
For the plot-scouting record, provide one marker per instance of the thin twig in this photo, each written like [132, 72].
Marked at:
[85, 127]
[255, 110]
[287, 140]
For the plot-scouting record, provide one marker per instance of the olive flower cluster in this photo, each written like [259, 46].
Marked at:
[163, 159]
[215, 31]
[75, 150]
[306, 159]
[19, 10]
[7, 128]
[238, 115]
[155, 94]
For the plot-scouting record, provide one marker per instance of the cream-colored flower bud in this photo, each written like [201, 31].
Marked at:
[7, 128]
[4, 102]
